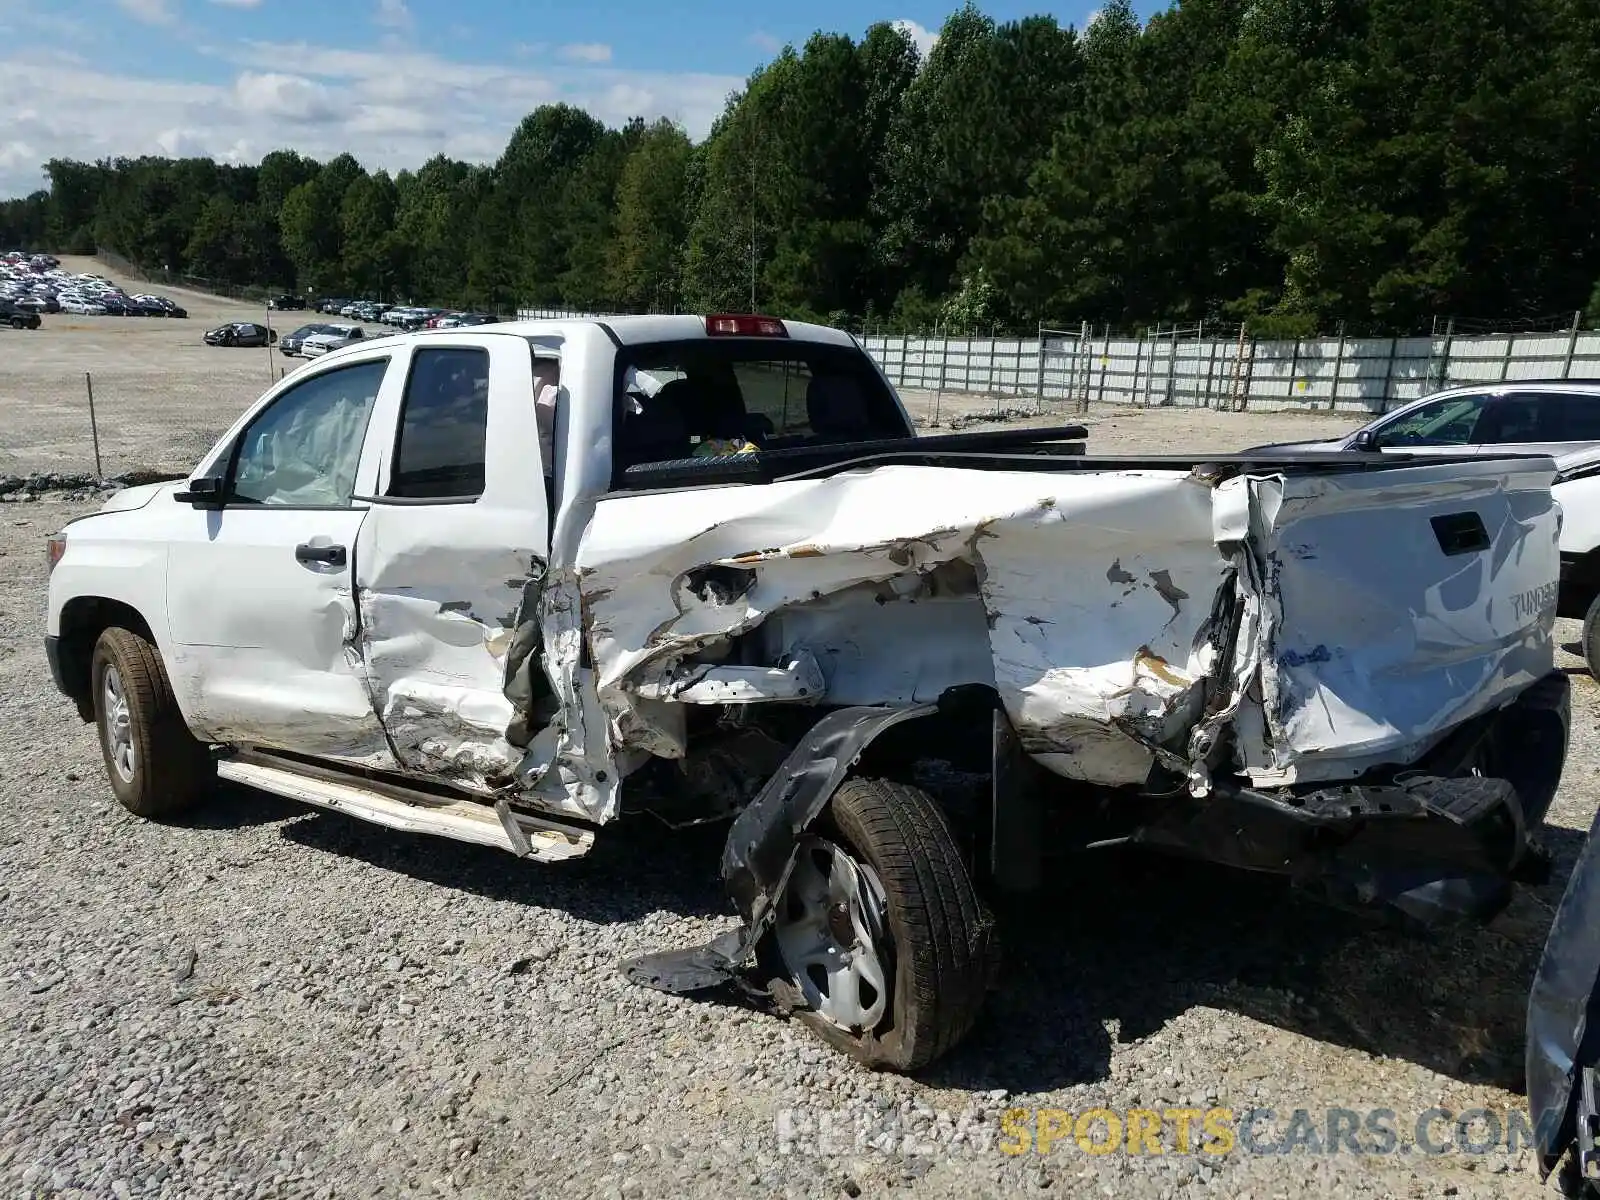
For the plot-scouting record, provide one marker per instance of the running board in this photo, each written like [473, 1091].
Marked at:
[463, 820]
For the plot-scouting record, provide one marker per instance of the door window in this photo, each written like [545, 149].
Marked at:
[1448, 422]
[1562, 417]
[1522, 417]
[444, 425]
[304, 448]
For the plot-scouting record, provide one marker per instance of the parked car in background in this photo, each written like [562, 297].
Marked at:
[289, 345]
[286, 301]
[240, 333]
[1535, 416]
[17, 317]
[1558, 417]
[331, 337]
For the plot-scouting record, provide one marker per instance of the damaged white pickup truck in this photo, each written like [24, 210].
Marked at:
[509, 585]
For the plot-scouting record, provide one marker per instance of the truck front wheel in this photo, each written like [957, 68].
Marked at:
[881, 931]
[155, 765]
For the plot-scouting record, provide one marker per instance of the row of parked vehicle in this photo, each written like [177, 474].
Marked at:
[407, 317]
[36, 283]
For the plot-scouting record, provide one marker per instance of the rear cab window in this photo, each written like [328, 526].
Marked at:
[708, 398]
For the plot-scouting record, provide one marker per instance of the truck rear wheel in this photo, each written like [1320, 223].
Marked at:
[881, 930]
[155, 765]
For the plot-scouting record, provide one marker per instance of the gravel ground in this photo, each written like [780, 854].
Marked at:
[266, 1001]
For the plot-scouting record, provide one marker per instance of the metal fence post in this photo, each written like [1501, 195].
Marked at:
[1505, 361]
[1572, 345]
[94, 426]
[944, 363]
[1444, 361]
[1038, 381]
[1204, 398]
[1105, 361]
[1249, 375]
[1138, 359]
[1388, 375]
[1294, 367]
[1172, 367]
[1338, 368]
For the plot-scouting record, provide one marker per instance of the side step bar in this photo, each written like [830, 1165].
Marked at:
[395, 807]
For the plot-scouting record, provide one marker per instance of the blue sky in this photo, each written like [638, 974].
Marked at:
[392, 81]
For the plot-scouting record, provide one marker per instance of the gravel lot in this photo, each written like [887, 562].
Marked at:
[266, 1001]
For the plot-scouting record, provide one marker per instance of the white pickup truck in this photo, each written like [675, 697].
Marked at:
[508, 585]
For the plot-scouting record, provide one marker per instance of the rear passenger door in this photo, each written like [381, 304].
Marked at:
[457, 535]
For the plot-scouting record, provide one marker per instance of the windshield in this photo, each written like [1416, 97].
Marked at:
[712, 396]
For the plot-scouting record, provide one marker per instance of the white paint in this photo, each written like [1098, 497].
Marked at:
[1096, 588]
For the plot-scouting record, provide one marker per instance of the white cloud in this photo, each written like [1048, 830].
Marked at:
[288, 97]
[924, 38]
[390, 109]
[238, 3]
[588, 52]
[151, 12]
[182, 143]
[1093, 17]
[392, 14]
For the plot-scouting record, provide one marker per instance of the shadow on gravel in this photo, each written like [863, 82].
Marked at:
[1130, 939]
[237, 807]
[1138, 940]
[637, 867]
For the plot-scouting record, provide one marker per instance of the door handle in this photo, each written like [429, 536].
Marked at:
[333, 556]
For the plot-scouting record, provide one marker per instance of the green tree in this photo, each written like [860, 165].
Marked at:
[644, 259]
[367, 242]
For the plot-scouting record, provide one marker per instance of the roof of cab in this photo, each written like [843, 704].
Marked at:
[633, 331]
[629, 331]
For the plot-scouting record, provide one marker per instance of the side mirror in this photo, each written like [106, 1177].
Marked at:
[204, 492]
[1365, 440]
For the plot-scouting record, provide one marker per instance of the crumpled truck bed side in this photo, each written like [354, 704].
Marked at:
[1333, 617]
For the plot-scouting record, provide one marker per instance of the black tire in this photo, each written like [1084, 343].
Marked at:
[1591, 636]
[169, 769]
[943, 949]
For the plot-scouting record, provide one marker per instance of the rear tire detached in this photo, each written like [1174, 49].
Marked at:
[940, 948]
[155, 766]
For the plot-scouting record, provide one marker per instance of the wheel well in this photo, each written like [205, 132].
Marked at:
[83, 620]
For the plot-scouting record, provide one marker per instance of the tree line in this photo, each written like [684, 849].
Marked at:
[1293, 163]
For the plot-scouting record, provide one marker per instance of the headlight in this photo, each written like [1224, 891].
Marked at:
[54, 547]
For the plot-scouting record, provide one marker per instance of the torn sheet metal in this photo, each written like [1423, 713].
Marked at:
[439, 611]
[1079, 597]
[1099, 597]
[1368, 657]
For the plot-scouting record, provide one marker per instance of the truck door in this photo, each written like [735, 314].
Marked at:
[457, 538]
[260, 606]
